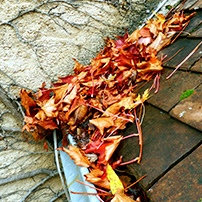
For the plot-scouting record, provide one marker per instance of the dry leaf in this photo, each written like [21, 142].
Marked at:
[96, 177]
[77, 155]
[121, 197]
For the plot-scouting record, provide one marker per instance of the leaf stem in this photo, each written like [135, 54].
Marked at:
[183, 61]
[91, 186]
[101, 194]
[135, 182]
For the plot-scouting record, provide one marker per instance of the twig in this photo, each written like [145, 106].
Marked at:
[7, 165]
[26, 175]
[10, 104]
[173, 55]
[57, 196]
[180, 32]
[38, 184]
[135, 182]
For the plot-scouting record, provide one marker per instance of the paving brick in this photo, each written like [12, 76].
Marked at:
[189, 110]
[171, 89]
[183, 183]
[197, 67]
[165, 140]
[195, 21]
[196, 6]
[197, 33]
[189, 45]
[188, 4]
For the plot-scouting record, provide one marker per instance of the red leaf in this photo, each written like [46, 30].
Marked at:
[96, 177]
[48, 124]
[45, 146]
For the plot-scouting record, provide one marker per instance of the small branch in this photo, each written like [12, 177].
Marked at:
[10, 104]
[10, 129]
[57, 196]
[7, 165]
[54, 173]
[26, 175]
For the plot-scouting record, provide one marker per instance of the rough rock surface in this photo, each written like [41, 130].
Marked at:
[38, 39]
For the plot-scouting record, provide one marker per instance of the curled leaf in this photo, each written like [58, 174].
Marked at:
[121, 197]
[77, 155]
[26, 101]
[102, 123]
[97, 177]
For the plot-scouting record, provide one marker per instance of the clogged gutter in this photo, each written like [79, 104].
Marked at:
[99, 99]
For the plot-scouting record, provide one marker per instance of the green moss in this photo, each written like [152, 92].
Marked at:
[186, 94]
[168, 7]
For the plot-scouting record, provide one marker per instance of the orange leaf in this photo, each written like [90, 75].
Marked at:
[78, 67]
[134, 36]
[126, 102]
[96, 177]
[102, 123]
[77, 155]
[26, 101]
[107, 149]
[68, 99]
[121, 197]
[104, 148]
[50, 108]
[60, 91]
[81, 112]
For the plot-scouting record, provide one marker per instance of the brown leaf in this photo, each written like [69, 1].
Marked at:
[134, 36]
[107, 149]
[26, 101]
[47, 124]
[121, 197]
[77, 155]
[50, 108]
[102, 123]
[80, 112]
[96, 177]
[125, 102]
[78, 67]
[69, 97]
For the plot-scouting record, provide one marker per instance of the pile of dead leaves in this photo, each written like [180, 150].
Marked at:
[99, 99]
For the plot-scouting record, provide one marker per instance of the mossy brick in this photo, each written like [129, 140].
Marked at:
[196, 6]
[189, 110]
[188, 4]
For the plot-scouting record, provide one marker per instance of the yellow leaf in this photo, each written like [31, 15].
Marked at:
[114, 180]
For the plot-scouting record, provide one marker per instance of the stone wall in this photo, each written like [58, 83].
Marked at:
[38, 39]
